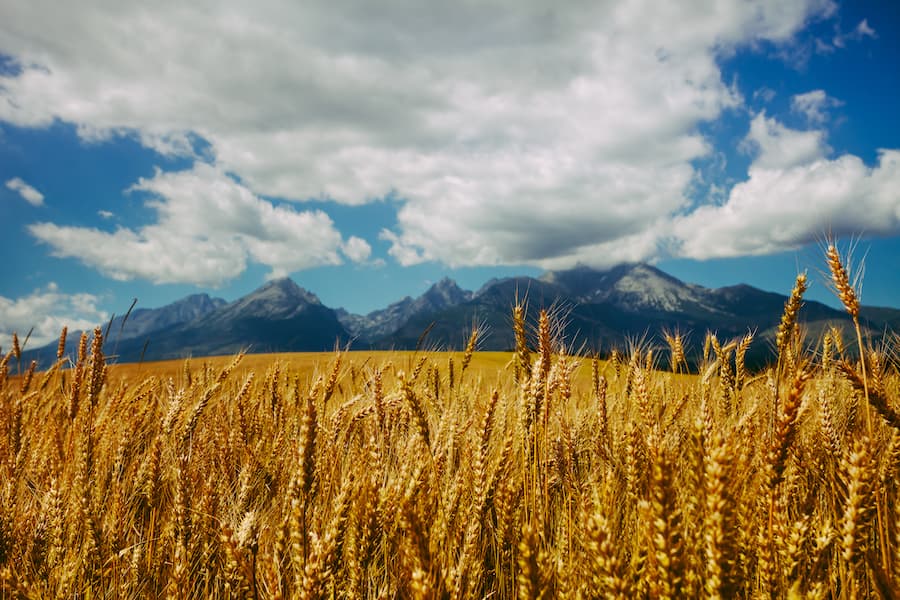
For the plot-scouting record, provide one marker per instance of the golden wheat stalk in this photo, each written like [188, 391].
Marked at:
[878, 401]
[716, 518]
[846, 292]
[786, 430]
[785, 334]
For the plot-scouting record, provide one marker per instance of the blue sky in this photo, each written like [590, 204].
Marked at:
[369, 152]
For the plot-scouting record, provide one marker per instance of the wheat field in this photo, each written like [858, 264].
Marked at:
[534, 474]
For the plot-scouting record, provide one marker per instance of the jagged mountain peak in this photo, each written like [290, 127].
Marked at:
[287, 287]
[630, 286]
[278, 316]
[582, 276]
[445, 292]
[277, 299]
[142, 322]
[201, 298]
[521, 285]
[445, 283]
[442, 295]
[646, 277]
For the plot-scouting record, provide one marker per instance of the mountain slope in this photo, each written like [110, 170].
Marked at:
[278, 317]
[141, 322]
[605, 309]
[597, 310]
[490, 307]
[632, 287]
[380, 323]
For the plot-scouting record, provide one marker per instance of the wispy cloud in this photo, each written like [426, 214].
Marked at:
[861, 31]
[28, 193]
[814, 105]
[764, 94]
[840, 38]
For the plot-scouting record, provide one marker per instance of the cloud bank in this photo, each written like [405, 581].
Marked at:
[512, 132]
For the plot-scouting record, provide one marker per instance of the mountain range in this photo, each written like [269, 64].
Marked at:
[597, 310]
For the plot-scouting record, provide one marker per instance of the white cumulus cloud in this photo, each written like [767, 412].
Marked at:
[356, 249]
[28, 193]
[794, 195]
[207, 228]
[779, 147]
[47, 311]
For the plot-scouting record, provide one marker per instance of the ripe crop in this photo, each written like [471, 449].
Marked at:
[533, 474]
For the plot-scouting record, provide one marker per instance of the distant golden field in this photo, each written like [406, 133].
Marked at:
[488, 365]
[533, 474]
